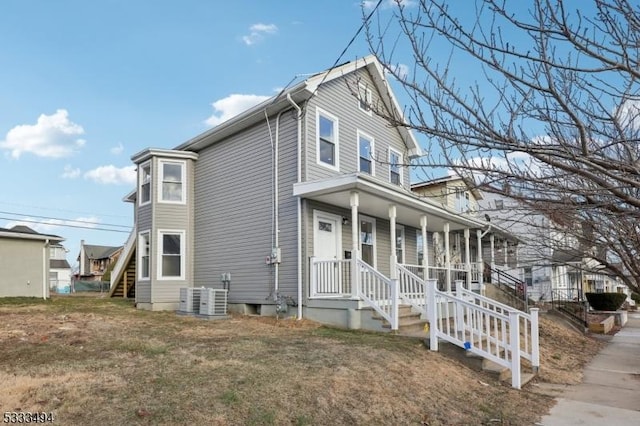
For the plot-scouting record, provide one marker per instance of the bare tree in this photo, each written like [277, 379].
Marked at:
[538, 100]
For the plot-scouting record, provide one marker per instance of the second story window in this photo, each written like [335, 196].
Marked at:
[327, 141]
[395, 167]
[365, 153]
[364, 98]
[144, 179]
[462, 200]
[172, 174]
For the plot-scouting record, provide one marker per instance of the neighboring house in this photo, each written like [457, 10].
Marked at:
[24, 262]
[301, 200]
[95, 260]
[59, 269]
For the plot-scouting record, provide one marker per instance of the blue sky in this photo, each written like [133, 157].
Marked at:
[86, 84]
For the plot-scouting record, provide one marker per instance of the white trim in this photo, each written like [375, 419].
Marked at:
[183, 177]
[318, 214]
[403, 243]
[400, 162]
[372, 220]
[336, 130]
[368, 98]
[140, 168]
[183, 254]
[139, 255]
[372, 150]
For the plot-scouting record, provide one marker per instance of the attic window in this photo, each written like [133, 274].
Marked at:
[499, 204]
[364, 98]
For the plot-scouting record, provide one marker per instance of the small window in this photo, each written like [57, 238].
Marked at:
[499, 204]
[327, 130]
[364, 98]
[367, 240]
[172, 180]
[365, 153]
[400, 244]
[324, 226]
[171, 256]
[528, 277]
[395, 167]
[144, 251]
[144, 178]
[462, 200]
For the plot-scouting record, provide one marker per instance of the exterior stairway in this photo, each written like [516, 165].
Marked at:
[128, 280]
[410, 323]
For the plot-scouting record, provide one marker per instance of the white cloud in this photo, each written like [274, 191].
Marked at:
[112, 175]
[117, 150]
[53, 136]
[52, 226]
[70, 173]
[257, 33]
[401, 70]
[370, 4]
[231, 106]
[628, 114]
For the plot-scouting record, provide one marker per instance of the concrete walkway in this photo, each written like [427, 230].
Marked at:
[610, 391]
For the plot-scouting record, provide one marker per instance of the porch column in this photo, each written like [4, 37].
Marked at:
[425, 252]
[492, 241]
[505, 246]
[447, 259]
[480, 262]
[394, 256]
[355, 244]
[467, 257]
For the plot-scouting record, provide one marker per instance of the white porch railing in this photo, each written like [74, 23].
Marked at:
[121, 263]
[412, 289]
[484, 327]
[379, 292]
[330, 277]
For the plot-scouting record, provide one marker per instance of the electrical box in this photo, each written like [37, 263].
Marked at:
[275, 255]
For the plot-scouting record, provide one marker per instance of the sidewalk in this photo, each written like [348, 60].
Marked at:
[610, 391]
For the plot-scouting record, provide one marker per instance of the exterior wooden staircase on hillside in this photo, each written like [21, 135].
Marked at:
[127, 282]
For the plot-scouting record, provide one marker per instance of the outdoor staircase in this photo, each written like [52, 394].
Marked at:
[123, 276]
[410, 322]
[127, 280]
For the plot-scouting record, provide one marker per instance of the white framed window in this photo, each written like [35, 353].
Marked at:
[171, 254]
[368, 240]
[462, 200]
[395, 167]
[327, 137]
[364, 98]
[419, 247]
[144, 255]
[365, 153]
[400, 244]
[172, 179]
[144, 183]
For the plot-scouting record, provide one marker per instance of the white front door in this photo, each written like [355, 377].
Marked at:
[327, 234]
[327, 249]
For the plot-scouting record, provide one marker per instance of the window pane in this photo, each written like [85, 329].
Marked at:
[367, 254]
[171, 244]
[365, 166]
[172, 191]
[327, 152]
[172, 172]
[324, 226]
[144, 266]
[326, 129]
[366, 232]
[145, 193]
[365, 155]
[395, 178]
[170, 266]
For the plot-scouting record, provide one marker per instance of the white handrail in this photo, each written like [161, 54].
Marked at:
[489, 330]
[412, 289]
[379, 292]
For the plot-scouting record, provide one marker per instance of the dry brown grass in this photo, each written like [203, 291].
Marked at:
[99, 361]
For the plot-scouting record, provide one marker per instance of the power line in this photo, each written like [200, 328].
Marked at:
[63, 219]
[65, 225]
[61, 210]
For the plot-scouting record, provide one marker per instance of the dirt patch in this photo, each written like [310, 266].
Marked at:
[101, 361]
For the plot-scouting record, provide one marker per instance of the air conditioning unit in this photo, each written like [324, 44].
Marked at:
[190, 300]
[213, 302]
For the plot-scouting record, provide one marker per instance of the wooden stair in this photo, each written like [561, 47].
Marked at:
[127, 280]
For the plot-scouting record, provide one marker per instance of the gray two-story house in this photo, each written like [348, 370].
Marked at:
[303, 201]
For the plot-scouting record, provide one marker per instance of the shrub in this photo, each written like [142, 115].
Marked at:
[636, 297]
[606, 301]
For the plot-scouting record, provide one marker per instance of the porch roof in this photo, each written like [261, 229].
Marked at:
[375, 198]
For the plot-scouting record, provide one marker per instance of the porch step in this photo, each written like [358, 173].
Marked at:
[478, 363]
[409, 322]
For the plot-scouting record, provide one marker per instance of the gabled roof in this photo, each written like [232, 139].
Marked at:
[446, 179]
[299, 93]
[100, 252]
[59, 264]
[26, 233]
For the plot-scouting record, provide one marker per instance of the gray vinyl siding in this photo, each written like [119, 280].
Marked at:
[233, 213]
[21, 268]
[336, 99]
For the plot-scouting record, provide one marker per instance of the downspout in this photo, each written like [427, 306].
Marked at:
[44, 269]
[299, 215]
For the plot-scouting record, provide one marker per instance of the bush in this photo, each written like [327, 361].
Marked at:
[606, 301]
[636, 297]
